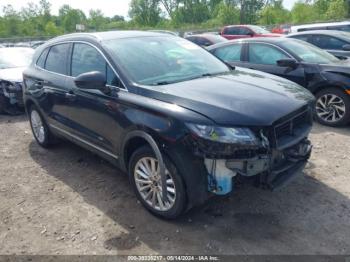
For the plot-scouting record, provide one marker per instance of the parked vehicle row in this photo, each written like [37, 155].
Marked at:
[318, 71]
[181, 123]
[334, 42]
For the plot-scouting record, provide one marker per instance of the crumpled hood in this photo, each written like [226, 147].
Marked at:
[243, 98]
[12, 74]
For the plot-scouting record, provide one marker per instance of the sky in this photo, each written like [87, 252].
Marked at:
[108, 7]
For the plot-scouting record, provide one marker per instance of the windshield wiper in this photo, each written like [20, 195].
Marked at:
[162, 83]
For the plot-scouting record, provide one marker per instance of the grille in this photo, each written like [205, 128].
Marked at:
[293, 127]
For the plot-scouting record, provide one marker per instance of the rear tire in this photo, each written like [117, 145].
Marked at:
[332, 107]
[41, 132]
[144, 178]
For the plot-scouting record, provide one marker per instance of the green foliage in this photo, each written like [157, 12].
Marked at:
[338, 9]
[145, 12]
[274, 14]
[304, 13]
[227, 14]
[37, 20]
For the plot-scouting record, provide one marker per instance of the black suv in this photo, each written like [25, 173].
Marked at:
[182, 124]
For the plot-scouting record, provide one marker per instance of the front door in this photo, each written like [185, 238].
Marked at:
[264, 57]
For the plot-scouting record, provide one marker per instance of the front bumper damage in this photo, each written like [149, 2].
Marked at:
[281, 155]
[271, 171]
[12, 97]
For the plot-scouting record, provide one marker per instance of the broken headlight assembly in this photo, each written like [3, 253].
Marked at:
[11, 87]
[227, 135]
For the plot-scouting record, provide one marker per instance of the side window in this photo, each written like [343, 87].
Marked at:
[56, 60]
[244, 31]
[229, 53]
[42, 58]
[265, 54]
[327, 42]
[86, 58]
[302, 37]
[231, 31]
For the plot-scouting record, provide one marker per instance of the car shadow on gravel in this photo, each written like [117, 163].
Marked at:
[307, 217]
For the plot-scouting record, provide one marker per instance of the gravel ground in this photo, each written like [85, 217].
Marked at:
[69, 201]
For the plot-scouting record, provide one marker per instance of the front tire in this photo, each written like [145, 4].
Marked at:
[332, 107]
[40, 130]
[145, 179]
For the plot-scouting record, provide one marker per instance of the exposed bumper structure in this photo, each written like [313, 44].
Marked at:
[272, 171]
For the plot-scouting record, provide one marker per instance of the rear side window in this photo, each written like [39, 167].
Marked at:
[327, 42]
[229, 53]
[56, 60]
[86, 58]
[232, 31]
[302, 37]
[265, 54]
[244, 31]
[42, 58]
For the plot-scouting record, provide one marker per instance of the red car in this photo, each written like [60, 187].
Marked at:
[282, 29]
[245, 31]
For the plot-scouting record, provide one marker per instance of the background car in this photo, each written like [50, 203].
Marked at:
[340, 26]
[322, 73]
[180, 122]
[281, 29]
[205, 40]
[334, 42]
[13, 61]
[245, 31]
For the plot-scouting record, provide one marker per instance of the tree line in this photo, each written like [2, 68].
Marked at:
[37, 19]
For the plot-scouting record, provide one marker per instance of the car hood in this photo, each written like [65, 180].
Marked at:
[242, 98]
[12, 74]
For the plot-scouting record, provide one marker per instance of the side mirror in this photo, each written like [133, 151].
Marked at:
[346, 47]
[288, 62]
[91, 80]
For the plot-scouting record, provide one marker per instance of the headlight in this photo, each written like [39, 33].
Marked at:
[231, 135]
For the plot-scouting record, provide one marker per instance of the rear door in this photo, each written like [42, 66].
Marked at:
[49, 84]
[264, 57]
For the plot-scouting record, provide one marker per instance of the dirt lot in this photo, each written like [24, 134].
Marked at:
[68, 201]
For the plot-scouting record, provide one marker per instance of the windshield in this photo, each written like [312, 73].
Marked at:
[309, 53]
[259, 30]
[15, 57]
[163, 60]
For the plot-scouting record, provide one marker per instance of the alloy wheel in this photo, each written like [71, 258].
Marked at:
[37, 125]
[149, 185]
[330, 108]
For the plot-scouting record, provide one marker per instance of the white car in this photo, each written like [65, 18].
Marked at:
[341, 26]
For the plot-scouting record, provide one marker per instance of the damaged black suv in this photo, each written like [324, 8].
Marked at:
[182, 124]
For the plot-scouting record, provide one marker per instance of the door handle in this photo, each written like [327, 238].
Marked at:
[70, 96]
